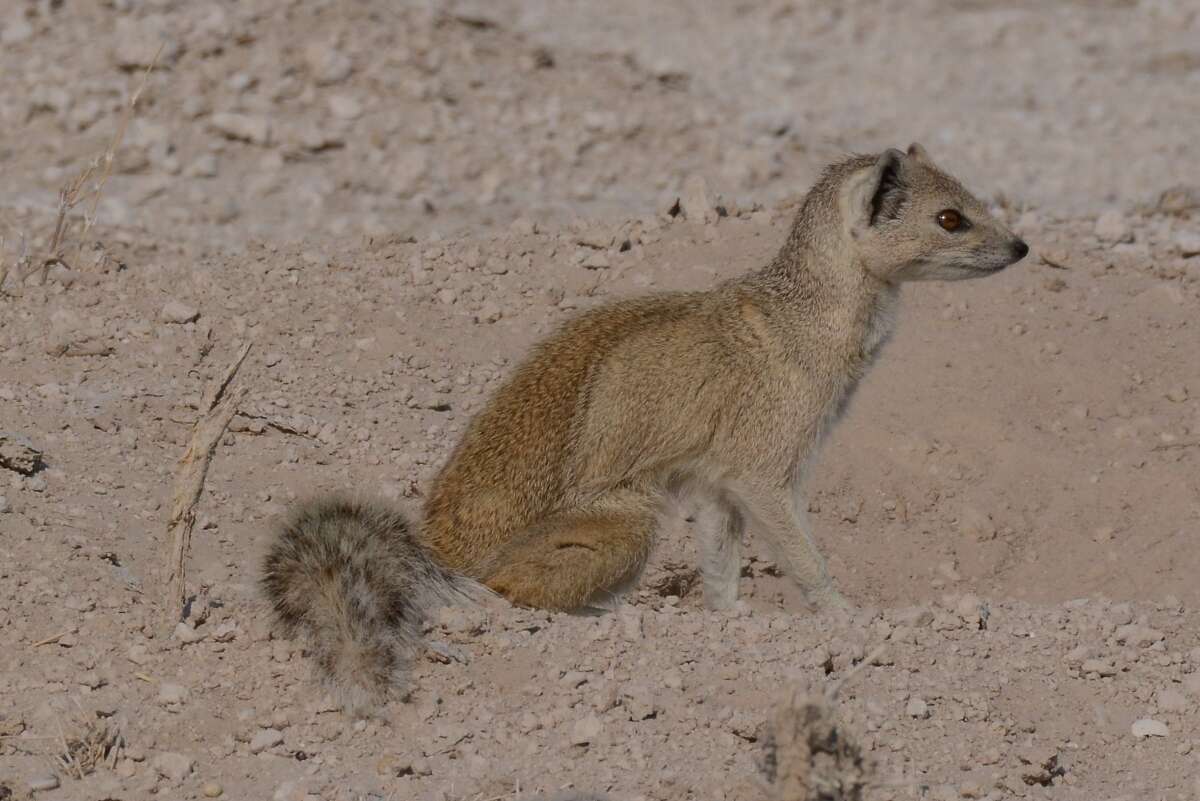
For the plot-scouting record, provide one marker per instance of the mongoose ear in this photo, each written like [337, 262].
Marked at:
[920, 154]
[873, 194]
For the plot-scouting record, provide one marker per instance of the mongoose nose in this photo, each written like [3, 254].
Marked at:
[1020, 249]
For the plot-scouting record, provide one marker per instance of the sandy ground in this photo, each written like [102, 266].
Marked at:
[394, 200]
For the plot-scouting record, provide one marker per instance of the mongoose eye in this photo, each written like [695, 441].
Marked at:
[951, 220]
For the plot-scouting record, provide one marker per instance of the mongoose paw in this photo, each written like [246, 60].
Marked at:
[446, 653]
[832, 601]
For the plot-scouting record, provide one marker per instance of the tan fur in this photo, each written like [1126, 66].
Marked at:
[553, 495]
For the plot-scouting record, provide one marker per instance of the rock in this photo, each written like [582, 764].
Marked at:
[917, 708]
[596, 260]
[225, 632]
[40, 784]
[1120, 614]
[1139, 636]
[1059, 258]
[169, 693]
[204, 166]
[639, 701]
[1171, 700]
[694, 201]
[291, 791]
[1112, 227]
[915, 617]
[1100, 667]
[17, 453]
[1179, 199]
[186, 634]
[970, 609]
[407, 172]
[1039, 765]
[5, 506]
[345, 107]
[327, 64]
[173, 766]
[267, 738]
[307, 135]
[212, 790]
[1188, 243]
[974, 523]
[586, 730]
[489, 312]
[242, 127]
[1146, 727]
[1177, 394]
[523, 226]
[15, 31]
[178, 313]
[92, 680]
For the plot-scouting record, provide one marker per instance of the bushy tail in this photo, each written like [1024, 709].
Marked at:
[351, 578]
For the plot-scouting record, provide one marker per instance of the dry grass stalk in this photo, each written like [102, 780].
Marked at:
[217, 408]
[13, 268]
[809, 755]
[4, 266]
[91, 743]
[75, 191]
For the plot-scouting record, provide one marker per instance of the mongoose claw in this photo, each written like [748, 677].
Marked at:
[446, 653]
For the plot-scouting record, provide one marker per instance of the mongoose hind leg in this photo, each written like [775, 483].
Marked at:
[720, 554]
[571, 559]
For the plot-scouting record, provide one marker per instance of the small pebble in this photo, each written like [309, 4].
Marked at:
[267, 738]
[586, 730]
[177, 313]
[1112, 227]
[43, 783]
[1147, 727]
[1171, 700]
[186, 634]
[1177, 394]
[172, 693]
[917, 708]
[174, 766]
[1188, 244]
[212, 790]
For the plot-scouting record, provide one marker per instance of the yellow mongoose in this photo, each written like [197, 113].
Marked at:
[552, 497]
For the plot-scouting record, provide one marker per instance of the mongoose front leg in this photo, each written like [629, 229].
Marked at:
[773, 512]
[720, 554]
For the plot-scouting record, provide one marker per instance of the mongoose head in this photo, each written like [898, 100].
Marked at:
[907, 220]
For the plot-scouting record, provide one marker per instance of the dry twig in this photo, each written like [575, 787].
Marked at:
[50, 640]
[1175, 446]
[217, 408]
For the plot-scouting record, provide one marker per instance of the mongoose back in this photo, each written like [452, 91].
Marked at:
[553, 495]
